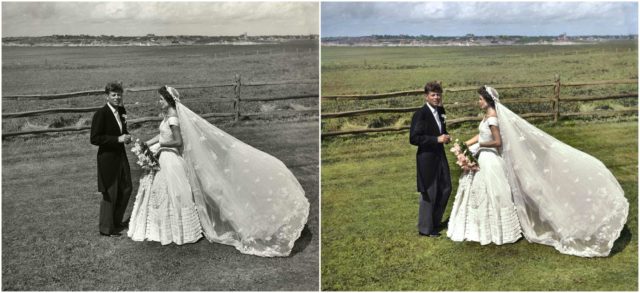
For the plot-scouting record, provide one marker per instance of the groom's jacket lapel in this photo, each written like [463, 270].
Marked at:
[443, 122]
[433, 125]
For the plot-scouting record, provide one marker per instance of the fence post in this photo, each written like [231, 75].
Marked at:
[236, 100]
[556, 99]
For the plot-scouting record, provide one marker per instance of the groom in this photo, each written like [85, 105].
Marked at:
[109, 133]
[429, 132]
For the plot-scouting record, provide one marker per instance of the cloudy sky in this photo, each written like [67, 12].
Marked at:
[160, 18]
[479, 18]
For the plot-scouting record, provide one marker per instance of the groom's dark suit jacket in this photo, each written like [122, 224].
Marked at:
[424, 134]
[111, 153]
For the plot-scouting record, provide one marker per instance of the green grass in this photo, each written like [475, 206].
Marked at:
[366, 70]
[369, 216]
[50, 209]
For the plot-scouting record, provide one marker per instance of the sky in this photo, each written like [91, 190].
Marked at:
[478, 18]
[159, 18]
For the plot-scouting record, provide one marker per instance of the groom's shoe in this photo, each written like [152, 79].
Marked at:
[433, 234]
[111, 235]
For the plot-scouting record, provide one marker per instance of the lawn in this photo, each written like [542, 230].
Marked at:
[50, 207]
[369, 217]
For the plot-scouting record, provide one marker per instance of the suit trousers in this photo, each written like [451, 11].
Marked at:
[434, 202]
[115, 200]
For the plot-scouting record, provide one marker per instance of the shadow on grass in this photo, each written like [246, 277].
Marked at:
[303, 241]
[622, 242]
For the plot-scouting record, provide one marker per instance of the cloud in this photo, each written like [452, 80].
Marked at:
[535, 14]
[117, 17]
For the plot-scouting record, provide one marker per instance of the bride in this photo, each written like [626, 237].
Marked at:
[213, 184]
[531, 183]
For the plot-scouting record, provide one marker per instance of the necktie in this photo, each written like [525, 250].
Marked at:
[118, 119]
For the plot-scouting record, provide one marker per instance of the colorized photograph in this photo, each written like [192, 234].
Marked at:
[160, 146]
[479, 146]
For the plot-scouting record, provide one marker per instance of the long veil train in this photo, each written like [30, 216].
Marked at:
[245, 197]
[565, 198]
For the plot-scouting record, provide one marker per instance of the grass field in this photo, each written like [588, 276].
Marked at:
[50, 237]
[50, 202]
[369, 216]
[368, 70]
[49, 70]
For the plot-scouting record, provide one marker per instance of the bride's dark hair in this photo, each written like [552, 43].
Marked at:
[167, 96]
[487, 97]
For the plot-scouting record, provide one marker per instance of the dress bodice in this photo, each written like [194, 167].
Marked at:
[485, 134]
[165, 129]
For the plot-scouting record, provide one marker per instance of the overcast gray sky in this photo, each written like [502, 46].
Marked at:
[160, 18]
[479, 18]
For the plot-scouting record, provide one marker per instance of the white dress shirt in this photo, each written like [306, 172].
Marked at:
[115, 113]
[434, 111]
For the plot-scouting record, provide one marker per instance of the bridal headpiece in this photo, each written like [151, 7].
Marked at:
[493, 93]
[174, 94]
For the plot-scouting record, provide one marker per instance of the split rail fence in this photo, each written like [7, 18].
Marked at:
[554, 100]
[236, 115]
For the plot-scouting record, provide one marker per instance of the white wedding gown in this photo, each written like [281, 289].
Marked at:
[221, 187]
[164, 210]
[483, 209]
[564, 198]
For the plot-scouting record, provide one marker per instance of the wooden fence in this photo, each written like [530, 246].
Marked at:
[554, 100]
[236, 115]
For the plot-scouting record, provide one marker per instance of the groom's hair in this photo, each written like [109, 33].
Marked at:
[114, 86]
[487, 97]
[433, 86]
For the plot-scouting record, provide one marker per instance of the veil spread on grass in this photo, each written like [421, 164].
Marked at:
[565, 198]
[244, 197]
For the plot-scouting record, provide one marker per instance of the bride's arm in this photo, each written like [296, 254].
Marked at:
[153, 140]
[472, 140]
[497, 141]
[176, 139]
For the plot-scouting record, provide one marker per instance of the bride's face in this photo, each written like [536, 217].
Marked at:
[482, 103]
[163, 104]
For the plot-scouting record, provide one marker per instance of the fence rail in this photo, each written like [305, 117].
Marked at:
[466, 89]
[157, 119]
[147, 89]
[236, 99]
[461, 105]
[554, 100]
[470, 119]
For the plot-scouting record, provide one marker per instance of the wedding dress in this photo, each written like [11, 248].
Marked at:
[242, 196]
[483, 210]
[563, 197]
[164, 209]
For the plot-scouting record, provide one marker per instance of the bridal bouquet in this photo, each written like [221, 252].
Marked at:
[466, 160]
[146, 158]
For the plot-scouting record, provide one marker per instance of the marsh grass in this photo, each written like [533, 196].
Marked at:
[344, 71]
[47, 70]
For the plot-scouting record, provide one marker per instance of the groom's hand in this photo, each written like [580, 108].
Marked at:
[125, 138]
[445, 138]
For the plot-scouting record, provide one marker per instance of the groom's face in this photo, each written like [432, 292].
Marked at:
[434, 99]
[115, 99]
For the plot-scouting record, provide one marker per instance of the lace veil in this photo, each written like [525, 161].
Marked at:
[565, 198]
[245, 197]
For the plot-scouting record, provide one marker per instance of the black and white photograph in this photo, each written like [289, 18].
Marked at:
[163, 146]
